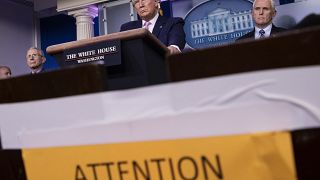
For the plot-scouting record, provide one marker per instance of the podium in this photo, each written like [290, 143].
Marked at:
[136, 58]
[142, 63]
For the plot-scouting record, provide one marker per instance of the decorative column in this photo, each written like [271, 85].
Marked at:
[84, 21]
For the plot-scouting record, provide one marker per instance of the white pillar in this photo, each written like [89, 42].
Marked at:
[84, 21]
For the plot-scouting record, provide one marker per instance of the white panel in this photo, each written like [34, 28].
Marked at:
[290, 14]
[16, 34]
[115, 14]
[40, 5]
[270, 100]
[63, 5]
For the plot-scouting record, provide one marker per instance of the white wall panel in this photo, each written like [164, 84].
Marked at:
[16, 35]
[40, 5]
[63, 5]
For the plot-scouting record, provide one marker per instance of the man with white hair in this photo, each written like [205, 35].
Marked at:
[35, 60]
[263, 12]
[168, 30]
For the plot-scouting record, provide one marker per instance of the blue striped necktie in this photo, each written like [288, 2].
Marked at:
[262, 32]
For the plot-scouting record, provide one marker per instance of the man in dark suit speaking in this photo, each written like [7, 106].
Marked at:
[168, 30]
[263, 11]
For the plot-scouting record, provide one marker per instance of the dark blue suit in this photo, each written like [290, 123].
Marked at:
[168, 30]
[41, 71]
[250, 35]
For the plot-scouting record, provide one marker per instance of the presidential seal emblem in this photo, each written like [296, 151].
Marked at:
[218, 22]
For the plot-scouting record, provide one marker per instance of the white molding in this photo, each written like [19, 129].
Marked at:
[85, 11]
[84, 21]
[115, 3]
[61, 6]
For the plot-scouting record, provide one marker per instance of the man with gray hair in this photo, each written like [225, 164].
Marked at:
[263, 12]
[35, 60]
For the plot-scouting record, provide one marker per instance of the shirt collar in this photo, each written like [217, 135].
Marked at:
[152, 21]
[36, 71]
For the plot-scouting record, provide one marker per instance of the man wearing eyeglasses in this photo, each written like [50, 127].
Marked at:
[168, 30]
[35, 60]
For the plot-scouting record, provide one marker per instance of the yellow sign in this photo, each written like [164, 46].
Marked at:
[267, 156]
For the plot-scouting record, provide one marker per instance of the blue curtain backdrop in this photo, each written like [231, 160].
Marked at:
[286, 1]
[56, 30]
[166, 8]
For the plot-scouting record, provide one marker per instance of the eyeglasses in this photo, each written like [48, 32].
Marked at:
[29, 56]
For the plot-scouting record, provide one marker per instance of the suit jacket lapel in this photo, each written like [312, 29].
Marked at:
[251, 34]
[159, 25]
[138, 24]
[274, 29]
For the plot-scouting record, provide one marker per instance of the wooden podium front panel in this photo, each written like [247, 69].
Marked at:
[59, 83]
[142, 58]
[141, 66]
[290, 49]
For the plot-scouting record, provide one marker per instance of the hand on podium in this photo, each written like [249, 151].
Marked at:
[173, 50]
